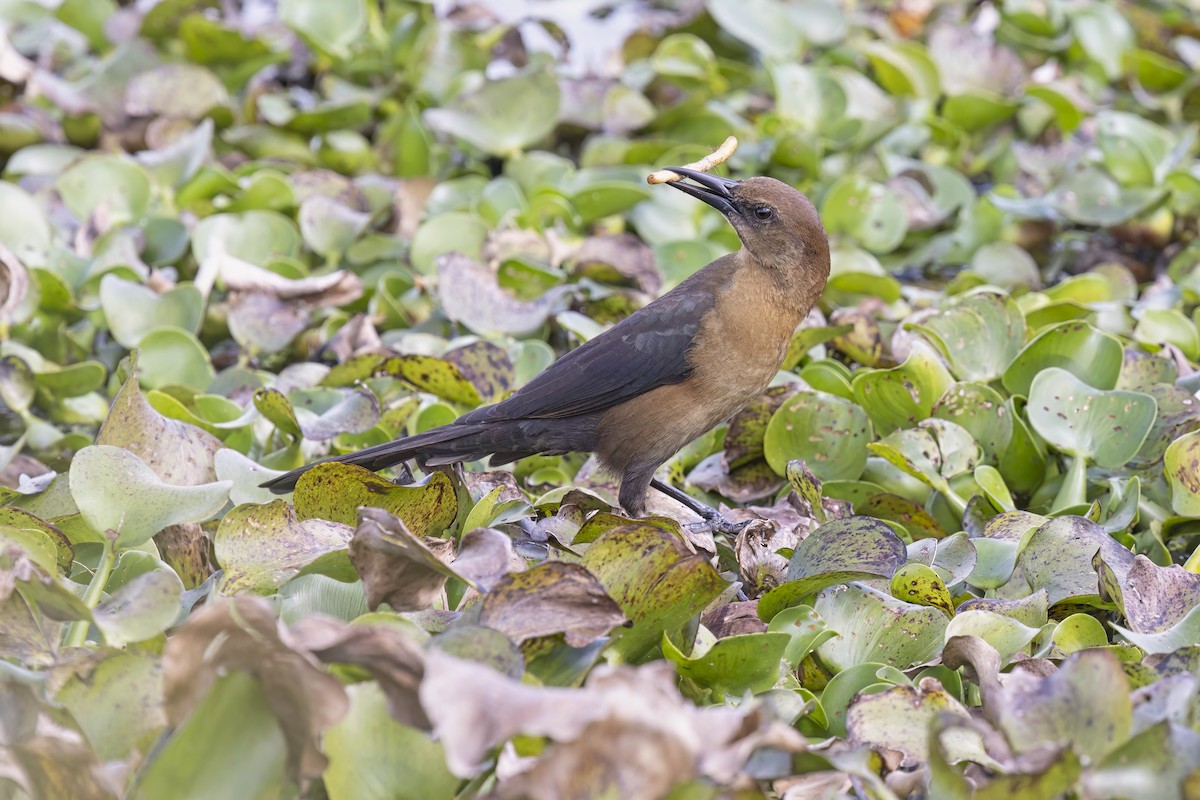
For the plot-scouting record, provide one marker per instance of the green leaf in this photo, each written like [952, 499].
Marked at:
[261, 547]
[373, 757]
[656, 581]
[978, 335]
[132, 310]
[903, 396]
[1092, 356]
[873, 626]
[505, 116]
[334, 492]
[733, 665]
[1105, 427]
[332, 26]
[855, 548]
[828, 433]
[116, 491]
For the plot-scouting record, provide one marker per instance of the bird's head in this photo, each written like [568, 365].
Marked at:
[778, 225]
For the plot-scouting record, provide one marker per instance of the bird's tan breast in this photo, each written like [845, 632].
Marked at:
[737, 350]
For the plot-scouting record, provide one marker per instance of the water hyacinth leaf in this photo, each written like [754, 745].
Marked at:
[733, 665]
[1152, 598]
[553, 597]
[140, 609]
[357, 411]
[374, 757]
[1032, 611]
[765, 25]
[174, 357]
[261, 547]
[1078, 632]
[256, 237]
[1104, 427]
[855, 548]
[434, 375]
[901, 718]
[805, 628]
[75, 380]
[117, 184]
[627, 560]
[1058, 558]
[117, 701]
[1086, 702]
[487, 367]
[132, 310]
[504, 116]
[912, 517]
[992, 483]
[874, 626]
[982, 412]
[903, 396]
[180, 453]
[1159, 326]
[978, 335]
[332, 27]
[1091, 355]
[470, 294]
[330, 227]
[871, 213]
[334, 492]
[828, 433]
[921, 585]
[24, 228]
[116, 491]
[278, 410]
[1182, 467]
[1007, 634]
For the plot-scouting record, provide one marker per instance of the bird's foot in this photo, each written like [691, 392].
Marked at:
[713, 519]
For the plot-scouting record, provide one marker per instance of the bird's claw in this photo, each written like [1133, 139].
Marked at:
[719, 524]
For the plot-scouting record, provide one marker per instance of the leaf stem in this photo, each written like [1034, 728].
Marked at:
[1073, 491]
[77, 633]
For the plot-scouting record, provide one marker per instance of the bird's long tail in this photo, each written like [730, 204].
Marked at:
[438, 446]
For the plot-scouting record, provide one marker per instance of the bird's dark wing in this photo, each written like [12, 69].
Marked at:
[646, 350]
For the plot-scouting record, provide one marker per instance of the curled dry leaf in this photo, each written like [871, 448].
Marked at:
[409, 572]
[553, 597]
[630, 726]
[404, 571]
[718, 156]
[333, 289]
[242, 634]
[392, 658]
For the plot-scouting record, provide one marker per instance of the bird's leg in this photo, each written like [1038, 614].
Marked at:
[710, 515]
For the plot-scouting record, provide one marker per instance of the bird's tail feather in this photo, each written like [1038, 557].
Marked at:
[441, 445]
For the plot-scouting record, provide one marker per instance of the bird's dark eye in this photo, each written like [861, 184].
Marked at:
[764, 212]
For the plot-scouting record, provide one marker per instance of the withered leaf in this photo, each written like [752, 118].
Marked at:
[397, 568]
[242, 633]
[553, 597]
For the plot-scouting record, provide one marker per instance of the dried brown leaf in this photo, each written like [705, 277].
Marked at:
[242, 633]
[392, 658]
[398, 568]
[553, 597]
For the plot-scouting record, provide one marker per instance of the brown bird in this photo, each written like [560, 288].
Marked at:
[640, 391]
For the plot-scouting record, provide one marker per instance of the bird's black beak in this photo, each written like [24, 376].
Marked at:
[714, 190]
